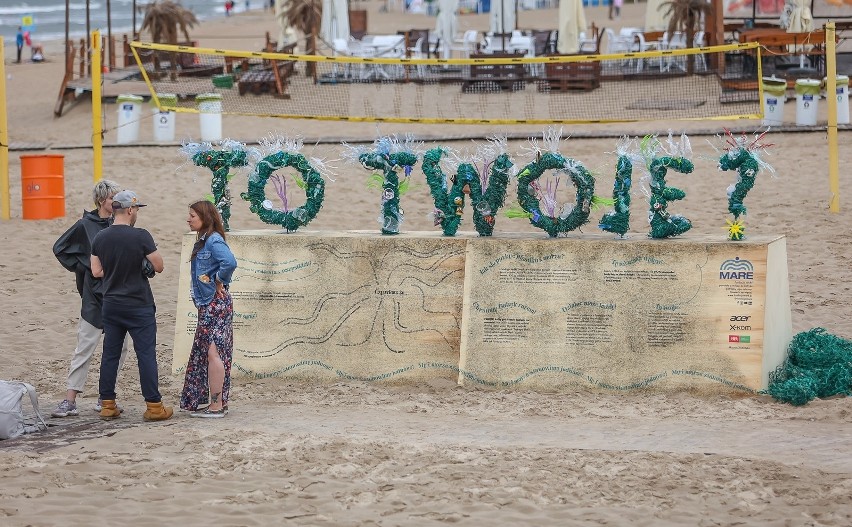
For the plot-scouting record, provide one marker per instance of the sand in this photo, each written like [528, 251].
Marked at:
[371, 454]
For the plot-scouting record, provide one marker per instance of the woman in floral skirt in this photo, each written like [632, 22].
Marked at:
[208, 373]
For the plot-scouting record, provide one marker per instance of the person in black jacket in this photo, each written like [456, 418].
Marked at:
[74, 250]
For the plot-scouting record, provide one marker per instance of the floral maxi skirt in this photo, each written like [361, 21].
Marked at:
[214, 325]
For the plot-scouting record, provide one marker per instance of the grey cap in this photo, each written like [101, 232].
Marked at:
[126, 199]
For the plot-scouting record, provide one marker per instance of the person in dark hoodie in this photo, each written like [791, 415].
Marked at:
[74, 250]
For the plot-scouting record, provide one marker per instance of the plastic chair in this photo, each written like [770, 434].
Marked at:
[677, 41]
[638, 46]
[467, 44]
[616, 43]
[698, 42]
[417, 52]
[341, 47]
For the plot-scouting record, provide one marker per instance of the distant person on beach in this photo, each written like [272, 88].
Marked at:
[208, 372]
[19, 41]
[74, 251]
[36, 50]
[125, 257]
[228, 6]
[37, 53]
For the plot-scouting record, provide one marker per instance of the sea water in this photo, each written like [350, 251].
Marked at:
[49, 16]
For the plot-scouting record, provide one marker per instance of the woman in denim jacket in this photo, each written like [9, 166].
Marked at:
[209, 365]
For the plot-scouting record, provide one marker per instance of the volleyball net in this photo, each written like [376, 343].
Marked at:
[709, 83]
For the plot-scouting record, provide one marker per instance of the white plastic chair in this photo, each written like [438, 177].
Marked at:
[616, 43]
[587, 45]
[698, 42]
[341, 47]
[638, 46]
[417, 52]
[467, 44]
[677, 41]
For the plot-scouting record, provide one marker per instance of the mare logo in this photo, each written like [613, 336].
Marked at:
[736, 269]
[744, 339]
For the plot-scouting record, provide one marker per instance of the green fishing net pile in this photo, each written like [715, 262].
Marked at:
[818, 364]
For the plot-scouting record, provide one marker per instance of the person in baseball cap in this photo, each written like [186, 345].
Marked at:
[128, 304]
[126, 199]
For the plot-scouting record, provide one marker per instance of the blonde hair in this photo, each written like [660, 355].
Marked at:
[103, 190]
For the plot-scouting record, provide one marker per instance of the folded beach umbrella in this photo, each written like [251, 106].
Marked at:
[800, 20]
[286, 34]
[446, 24]
[335, 20]
[655, 17]
[572, 21]
[502, 16]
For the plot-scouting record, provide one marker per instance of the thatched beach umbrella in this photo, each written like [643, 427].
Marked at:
[305, 17]
[162, 20]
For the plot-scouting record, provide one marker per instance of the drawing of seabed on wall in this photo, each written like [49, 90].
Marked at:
[339, 308]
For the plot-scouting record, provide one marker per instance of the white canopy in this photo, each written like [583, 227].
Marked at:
[335, 20]
[572, 21]
[655, 19]
[502, 16]
[446, 24]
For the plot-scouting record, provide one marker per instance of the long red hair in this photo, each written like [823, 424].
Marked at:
[211, 221]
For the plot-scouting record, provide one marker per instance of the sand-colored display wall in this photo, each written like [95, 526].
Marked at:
[509, 311]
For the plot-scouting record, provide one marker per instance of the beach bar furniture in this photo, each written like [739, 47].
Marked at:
[210, 115]
[129, 112]
[42, 186]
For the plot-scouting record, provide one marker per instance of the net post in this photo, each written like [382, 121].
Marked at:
[831, 97]
[97, 130]
[5, 199]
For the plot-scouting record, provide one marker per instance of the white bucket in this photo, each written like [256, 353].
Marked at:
[774, 97]
[210, 115]
[129, 110]
[842, 99]
[164, 121]
[807, 101]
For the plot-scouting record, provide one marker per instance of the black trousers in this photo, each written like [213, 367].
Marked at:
[141, 323]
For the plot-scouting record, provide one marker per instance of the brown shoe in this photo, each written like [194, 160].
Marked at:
[157, 412]
[109, 410]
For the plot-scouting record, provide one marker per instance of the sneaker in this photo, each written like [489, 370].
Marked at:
[97, 407]
[65, 409]
[210, 414]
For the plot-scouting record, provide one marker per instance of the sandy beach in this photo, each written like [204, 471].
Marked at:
[351, 453]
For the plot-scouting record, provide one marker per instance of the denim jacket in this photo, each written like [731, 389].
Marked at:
[213, 262]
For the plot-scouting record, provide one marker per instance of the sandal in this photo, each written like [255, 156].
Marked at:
[215, 414]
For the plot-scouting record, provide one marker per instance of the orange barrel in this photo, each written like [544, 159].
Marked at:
[43, 186]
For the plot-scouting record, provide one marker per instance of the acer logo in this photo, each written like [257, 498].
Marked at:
[740, 318]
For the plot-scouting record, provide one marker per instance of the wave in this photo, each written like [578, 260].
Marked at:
[56, 8]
